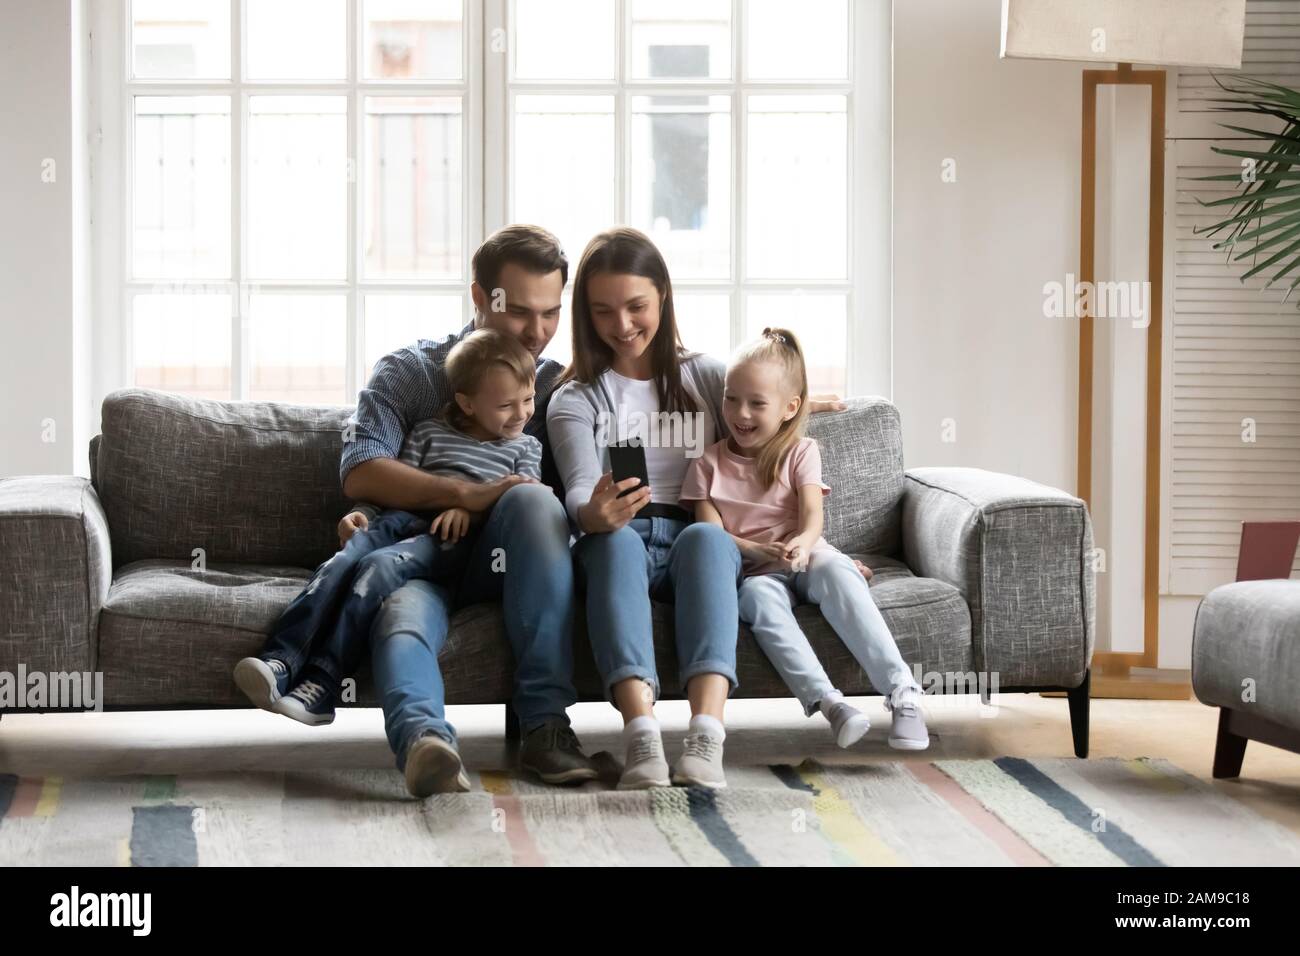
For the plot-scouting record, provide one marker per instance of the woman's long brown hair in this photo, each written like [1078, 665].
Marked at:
[627, 251]
[779, 346]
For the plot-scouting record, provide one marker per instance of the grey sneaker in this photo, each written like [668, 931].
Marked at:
[433, 766]
[701, 763]
[908, 730]
[847, 723]
[646, 765]
[263, 682]
[552, 751]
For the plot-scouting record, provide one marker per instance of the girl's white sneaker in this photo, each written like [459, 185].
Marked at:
[847, 723]
[908, 731]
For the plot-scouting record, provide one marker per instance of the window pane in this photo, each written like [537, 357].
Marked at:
[820, 323]
[681, 39]
[804, 41]
[296, 40]
[564, 39]
[297, 187]
[181, 343]
[180, 39]
[564, 170]
[704, 322]
[414, 187]
[181, 191]
[393, 321]
[680, 189]
[298, 348]
[412, 39]
[797, 183]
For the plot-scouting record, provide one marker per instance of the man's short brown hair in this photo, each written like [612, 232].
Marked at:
[530, 247]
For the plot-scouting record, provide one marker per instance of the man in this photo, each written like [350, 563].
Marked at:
[519, 274]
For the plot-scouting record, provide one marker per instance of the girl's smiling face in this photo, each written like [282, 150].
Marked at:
[625, 315]
[757, 401]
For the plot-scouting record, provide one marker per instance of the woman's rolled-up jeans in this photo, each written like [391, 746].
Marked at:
[697, 567]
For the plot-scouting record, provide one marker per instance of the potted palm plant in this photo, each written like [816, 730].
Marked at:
[1262, 220]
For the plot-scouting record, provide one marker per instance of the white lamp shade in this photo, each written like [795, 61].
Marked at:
[1206, 33]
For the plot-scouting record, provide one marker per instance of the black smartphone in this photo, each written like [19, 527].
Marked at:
[627, 460]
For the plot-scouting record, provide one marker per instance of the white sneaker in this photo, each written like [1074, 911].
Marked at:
[701, 763]
[847, 723]
[908, 731]
[646, 765]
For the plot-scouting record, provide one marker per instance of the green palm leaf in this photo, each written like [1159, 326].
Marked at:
[1264, 213]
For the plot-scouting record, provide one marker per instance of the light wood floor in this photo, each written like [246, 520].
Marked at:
[768, 731]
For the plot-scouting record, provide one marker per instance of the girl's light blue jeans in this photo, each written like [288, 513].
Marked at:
[833, 582]
[696, 566]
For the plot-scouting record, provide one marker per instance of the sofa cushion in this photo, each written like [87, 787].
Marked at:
[170, 635]
[257, 482]
[862, 461]
[1250, 632]
[248, 482]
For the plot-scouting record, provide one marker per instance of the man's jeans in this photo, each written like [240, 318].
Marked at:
[323, 631]
[696, 566]
[521, 557]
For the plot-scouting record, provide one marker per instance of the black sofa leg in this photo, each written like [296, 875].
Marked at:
[1229, 749]
[1079, 701]
[512, 724]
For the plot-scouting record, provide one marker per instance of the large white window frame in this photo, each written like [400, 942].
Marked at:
[487, 88]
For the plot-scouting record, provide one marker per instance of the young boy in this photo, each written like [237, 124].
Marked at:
[322, 635]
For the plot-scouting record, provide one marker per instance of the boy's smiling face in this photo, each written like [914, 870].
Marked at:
[501, 406]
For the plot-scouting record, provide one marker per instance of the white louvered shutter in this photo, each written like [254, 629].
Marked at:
[1235, 349]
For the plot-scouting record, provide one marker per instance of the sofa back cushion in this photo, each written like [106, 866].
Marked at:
[258, 483]
[862, 461]
[248, 482]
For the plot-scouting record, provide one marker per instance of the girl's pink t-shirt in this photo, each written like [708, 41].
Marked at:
[748, 510]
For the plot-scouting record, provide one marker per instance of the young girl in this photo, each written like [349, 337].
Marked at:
[763, 485]
[322, 635]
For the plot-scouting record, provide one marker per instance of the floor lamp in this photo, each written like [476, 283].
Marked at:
[1188, 33]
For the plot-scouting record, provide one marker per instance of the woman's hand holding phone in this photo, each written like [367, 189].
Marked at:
[606, 511]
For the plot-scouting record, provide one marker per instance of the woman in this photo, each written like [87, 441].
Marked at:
[628, 367]
[630, 379]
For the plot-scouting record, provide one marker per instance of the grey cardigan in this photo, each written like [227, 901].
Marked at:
[571, 425]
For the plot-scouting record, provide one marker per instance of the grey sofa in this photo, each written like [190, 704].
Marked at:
[202, 520]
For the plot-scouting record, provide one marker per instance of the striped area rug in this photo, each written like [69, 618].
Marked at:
[1008, 812]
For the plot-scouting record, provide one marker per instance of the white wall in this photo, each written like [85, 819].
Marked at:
[43, 364]
[971, 257]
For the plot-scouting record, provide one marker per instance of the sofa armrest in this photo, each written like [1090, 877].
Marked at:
[55, 571]
[1020, 553]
